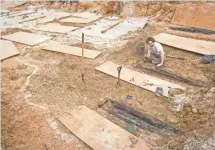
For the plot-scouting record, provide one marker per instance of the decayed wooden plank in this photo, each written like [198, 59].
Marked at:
[14, 14]
[57, 15]
[31, 18]
[99, 133]
[55, 27]
[26, 38]
[45, 20]
[76, 20]
[137, 78]
[87, 15]
[61, 14]
[7, 49]
[192, 45]
[77, 51]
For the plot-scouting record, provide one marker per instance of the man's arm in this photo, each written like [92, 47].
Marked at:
[148, 51]
[162, 59]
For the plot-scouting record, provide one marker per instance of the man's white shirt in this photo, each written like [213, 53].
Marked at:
[157, 48]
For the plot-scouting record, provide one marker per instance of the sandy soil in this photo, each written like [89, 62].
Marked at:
[42, 85]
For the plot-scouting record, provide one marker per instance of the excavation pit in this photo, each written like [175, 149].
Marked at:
[141, 120]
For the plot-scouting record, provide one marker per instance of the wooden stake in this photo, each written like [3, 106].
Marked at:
[82, 45]
[82, 57]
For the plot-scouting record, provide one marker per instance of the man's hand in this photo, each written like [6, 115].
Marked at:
[159, 65]
[162, 59]
[148, 51]
[147, 55]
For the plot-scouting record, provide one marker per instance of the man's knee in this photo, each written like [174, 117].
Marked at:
[154, 59]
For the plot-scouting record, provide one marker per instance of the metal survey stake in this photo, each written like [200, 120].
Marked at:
[119, 71]
[82, 76]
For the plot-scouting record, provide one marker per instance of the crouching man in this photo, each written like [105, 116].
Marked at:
[155, 52]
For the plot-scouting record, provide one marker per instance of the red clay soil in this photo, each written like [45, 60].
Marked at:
[195, 15]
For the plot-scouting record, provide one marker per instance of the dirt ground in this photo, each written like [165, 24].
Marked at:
[39, 86]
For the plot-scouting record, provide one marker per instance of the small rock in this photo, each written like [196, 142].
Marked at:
[188, 109]
[3, 103]
[181, 114]
[133, 140]
[73, 66]
[194, 110]
[203, 111]
[14, 76]
[212, 90]
[173, 119]
[200, 111]
[21, 66]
